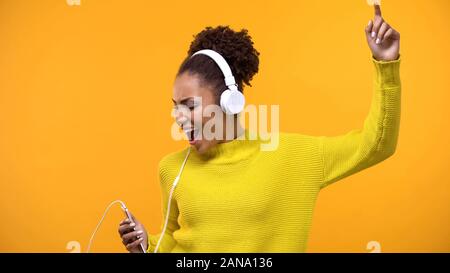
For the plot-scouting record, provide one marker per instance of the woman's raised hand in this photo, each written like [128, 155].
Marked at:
[383, 40]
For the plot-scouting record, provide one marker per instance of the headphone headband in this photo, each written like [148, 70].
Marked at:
[230, 82]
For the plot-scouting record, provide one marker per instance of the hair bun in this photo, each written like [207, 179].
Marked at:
[236, 47]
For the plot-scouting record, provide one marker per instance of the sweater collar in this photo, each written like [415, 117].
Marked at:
[241, 148]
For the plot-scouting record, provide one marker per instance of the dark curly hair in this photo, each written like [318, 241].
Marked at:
[237, 49]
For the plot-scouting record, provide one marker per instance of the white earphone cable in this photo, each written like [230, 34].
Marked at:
[122, 204]
[101, 220]
[175, 182]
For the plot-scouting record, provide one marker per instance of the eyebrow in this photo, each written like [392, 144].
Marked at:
[183, 101]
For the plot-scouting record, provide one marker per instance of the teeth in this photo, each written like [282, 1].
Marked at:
[191, 133]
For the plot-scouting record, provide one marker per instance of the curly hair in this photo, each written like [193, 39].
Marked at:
[237, 49]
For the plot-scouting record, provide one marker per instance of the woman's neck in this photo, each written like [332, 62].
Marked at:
[233, 132]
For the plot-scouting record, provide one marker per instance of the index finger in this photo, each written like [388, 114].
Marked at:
[126, 221]
[123, 229]
[377, 10]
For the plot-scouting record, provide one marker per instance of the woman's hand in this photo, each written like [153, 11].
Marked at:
[383, 40]
[133, 234]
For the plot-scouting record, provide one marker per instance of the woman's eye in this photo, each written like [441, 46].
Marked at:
[192, 107]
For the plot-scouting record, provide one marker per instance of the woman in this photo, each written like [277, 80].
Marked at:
[233, 197]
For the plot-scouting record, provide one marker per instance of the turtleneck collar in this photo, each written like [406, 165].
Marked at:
[238, 149]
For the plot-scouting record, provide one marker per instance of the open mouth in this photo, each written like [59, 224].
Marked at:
[192, 133]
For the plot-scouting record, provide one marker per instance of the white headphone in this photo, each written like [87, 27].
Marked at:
[232, 101]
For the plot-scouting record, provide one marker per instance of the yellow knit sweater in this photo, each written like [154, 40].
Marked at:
[238, 198]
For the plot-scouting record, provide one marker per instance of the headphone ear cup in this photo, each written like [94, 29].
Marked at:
[232, 102]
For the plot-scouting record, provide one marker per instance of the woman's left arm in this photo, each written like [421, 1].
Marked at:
[377, 140]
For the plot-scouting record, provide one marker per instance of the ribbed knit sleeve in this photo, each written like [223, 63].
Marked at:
[168, 241]
[377, 139]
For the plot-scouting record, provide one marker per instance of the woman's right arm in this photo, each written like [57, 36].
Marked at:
[129, 235]
[168, 242]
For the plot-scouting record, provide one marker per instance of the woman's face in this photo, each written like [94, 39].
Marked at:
[190, 98]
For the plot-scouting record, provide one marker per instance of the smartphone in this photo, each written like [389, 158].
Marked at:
[127, 213]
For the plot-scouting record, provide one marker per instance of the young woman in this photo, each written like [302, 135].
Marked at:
[234, 197]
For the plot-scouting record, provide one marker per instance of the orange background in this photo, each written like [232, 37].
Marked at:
[85, 100]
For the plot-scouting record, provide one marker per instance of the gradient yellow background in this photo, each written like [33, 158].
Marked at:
[85, 100]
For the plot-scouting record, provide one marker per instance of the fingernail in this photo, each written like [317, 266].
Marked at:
[140, 232]
[141, 239]
[132, 224]
[377, 41]
[373, 34]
